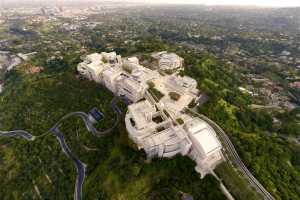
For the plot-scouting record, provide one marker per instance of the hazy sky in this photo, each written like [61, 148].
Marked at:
[272, 3]
[268, 3]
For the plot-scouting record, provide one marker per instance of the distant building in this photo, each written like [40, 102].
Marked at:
[285, 53]
[51, 11]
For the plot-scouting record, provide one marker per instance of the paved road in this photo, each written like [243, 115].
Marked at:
[90, 127]
[80, 166]
[15, 133]
[233, 156]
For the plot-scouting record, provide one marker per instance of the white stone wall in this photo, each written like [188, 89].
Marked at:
[174, 138]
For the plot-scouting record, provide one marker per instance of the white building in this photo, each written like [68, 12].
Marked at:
[167, 143]
[158, 126]
[111, 76]
[184, 87]
[144, 75]
[168, 61]
[131, 89]
[206, 149]
[154, 132]
[92, 67]
[111, 58]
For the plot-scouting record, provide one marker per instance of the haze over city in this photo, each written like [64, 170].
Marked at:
[263, 3]
[269, 3]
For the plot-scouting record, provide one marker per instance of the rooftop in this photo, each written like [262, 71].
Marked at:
[141, 113]
[205, 137]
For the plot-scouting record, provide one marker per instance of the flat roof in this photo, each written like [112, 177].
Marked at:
[95, 57]
[168, 135]
[139, 112]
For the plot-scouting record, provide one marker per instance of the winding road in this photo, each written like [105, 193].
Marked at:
[89, 125]
[15, 133]
[80, 166]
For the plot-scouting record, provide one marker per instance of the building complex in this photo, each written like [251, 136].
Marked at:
[156, 119]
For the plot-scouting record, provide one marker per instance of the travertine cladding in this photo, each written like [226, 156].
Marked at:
[157, 125]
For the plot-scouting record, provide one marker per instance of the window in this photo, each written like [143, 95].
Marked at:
[132, 122]
[160, 129]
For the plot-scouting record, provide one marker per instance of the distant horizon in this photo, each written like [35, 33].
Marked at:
[255, 3]
[245, 3]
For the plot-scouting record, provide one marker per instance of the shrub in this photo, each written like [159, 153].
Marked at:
[175, 96]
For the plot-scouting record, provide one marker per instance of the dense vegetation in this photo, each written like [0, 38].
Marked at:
[274, 161]
[115, 169]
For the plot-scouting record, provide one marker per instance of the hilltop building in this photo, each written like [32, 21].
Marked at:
[168, 61]
[156, 119]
